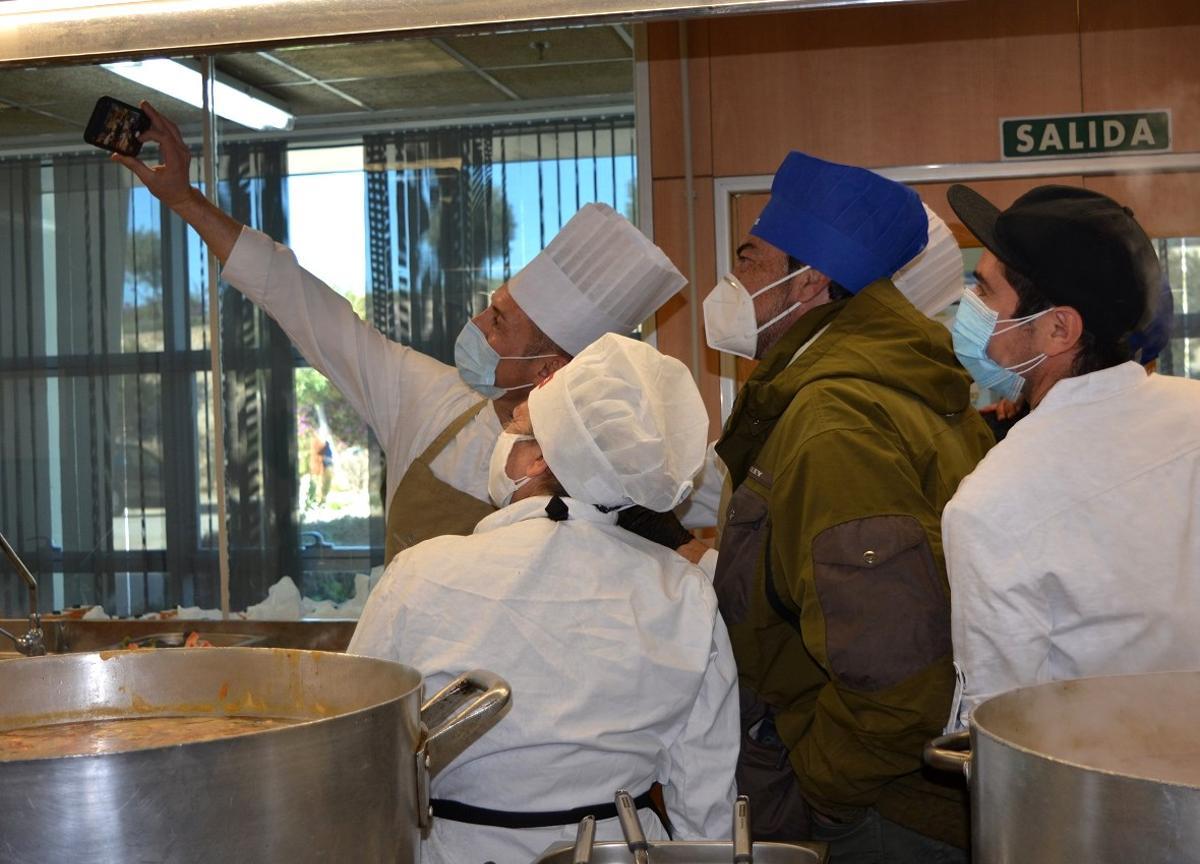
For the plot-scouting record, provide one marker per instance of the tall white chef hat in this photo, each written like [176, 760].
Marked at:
[598, 275]
[934, 278]
[621, 423]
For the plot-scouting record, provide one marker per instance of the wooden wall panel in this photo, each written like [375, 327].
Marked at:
[1144, 55]
[674, 318]
[1002, 193]
[910, 85]
[1166, 205]
[666, 98]
[887, 85]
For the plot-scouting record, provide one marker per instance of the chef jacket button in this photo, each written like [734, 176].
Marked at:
[869, 557]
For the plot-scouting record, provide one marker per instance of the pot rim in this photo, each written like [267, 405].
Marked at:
[1019, 693]
[298, 726]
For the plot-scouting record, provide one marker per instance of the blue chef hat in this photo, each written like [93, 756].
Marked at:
[849, 223]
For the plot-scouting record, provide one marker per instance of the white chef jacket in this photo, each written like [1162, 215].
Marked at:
[620, 667]
[406, 397]
[1073, 549]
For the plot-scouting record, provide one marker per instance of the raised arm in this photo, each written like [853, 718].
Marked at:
[170, 183]
[385, 382]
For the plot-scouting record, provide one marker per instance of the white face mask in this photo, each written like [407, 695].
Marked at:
[730, 324]
[501, 487]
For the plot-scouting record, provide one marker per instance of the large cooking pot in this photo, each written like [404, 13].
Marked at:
[1094, 770]
[345, 777]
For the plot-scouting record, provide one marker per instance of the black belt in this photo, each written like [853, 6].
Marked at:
[456, 811]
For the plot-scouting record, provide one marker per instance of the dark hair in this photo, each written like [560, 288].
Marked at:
[836, 291]
[1096, 352]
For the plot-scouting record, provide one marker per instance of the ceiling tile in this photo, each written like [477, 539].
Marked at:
[423, 91]
[571, 45]
[369, 59]
[579, 79]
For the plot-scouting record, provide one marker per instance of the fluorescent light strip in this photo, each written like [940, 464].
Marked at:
[185, 84]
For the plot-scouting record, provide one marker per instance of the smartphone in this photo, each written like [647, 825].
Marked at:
[115, 126]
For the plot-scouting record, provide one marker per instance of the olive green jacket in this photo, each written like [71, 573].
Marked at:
[831, 574]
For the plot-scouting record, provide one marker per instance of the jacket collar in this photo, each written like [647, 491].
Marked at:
[876, 336]
[1093, 387]
[535, 508]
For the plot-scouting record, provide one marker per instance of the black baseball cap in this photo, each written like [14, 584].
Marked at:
[1080, 248]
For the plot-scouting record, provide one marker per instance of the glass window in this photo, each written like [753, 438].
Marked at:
[108, 478]
[1180, 258]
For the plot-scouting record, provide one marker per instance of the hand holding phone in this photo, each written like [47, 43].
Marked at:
[170, 182]
[115, 126]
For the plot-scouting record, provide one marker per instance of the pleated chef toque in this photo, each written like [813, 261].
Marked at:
[934, 279]
[621, 423]
[598, 275]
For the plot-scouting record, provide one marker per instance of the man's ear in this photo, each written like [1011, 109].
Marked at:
[538, 466]
[809, 285]
[550, 365]
[1065, 330]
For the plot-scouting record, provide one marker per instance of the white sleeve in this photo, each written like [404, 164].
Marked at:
[700, 789]
[999, 612]
[389, 385]
[700, 508]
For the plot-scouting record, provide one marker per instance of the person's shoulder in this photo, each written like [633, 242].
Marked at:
[825, 405]
[1174, 387]
[998, 491]
[634, 549]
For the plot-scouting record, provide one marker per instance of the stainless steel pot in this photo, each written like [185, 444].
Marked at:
[348, 782]
[1093, 770]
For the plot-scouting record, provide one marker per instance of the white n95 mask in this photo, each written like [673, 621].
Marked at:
[730, 324]
[500, 486]
[477, 361]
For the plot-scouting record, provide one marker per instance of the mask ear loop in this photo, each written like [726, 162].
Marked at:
[1028, 366]
[524, 356]
[788, 311]
[791, 275]
[500, 357]
[1014, 323]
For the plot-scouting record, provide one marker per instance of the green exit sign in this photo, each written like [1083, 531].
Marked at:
[1066, 135]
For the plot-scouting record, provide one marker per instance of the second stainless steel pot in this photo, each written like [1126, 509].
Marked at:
[348, 782]
[1097, 770]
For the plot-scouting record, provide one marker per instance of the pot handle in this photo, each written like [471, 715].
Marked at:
[460, 713]
[950, 753]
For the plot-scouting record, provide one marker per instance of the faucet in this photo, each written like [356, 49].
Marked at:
[33, 642]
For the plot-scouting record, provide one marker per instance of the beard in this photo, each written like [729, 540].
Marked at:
[770, 336]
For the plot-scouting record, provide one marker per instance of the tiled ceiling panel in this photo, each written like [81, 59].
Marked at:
[577, 45]
[71, 92]
[423, 91]
[576, 79]
[413, 76]
[369, 59]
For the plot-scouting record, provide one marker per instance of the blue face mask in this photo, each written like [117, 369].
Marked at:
[974, 326]
[477, 361]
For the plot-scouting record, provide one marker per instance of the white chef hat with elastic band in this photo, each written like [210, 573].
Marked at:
[934, 278]
[598, 275]
[621, 424]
